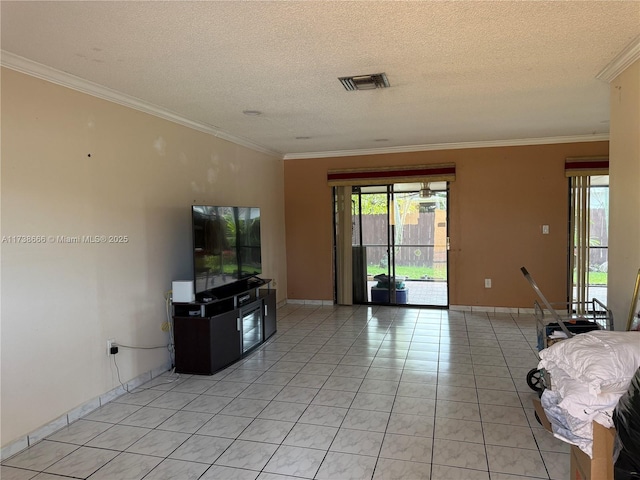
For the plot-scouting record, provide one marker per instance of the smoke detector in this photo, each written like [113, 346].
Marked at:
[365, 82]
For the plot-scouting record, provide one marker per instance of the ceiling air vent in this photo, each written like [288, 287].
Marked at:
[365, 82]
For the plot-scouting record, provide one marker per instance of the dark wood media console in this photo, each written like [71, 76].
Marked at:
[223, 325]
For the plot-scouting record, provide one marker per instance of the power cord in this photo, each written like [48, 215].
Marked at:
[167, 326]
[125, 387]
[137, 347]
[169, 348]
[139, 389]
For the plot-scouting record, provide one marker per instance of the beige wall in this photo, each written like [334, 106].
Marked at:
[61, 302]
[498, 204]
[624, 226]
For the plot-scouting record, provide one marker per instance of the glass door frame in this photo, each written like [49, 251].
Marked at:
[600, 182]
[391, 245]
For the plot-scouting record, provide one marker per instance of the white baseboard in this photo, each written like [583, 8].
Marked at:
[456, 308]
[72, 415]
[515, 310]
[460, 308]
[320, 303]
[485, 309]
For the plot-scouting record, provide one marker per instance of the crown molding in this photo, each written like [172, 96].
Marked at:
[619, 64]
[38, 70]
[43, 72]
[452, 146]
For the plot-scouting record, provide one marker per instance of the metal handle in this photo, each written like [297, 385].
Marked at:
[266, 310]
[546, 303]
[238, 323]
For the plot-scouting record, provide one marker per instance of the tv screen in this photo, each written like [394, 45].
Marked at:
[248, 241]
[226, 245]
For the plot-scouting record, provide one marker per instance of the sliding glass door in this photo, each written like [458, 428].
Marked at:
[400, 244]
[589, 228]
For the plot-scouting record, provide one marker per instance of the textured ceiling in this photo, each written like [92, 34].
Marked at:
[465, 71]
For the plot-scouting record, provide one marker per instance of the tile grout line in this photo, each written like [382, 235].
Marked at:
[263, 365]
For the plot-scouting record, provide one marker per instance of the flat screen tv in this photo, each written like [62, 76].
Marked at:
[226, 245]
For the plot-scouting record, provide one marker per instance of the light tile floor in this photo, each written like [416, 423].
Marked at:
[338, 393]
[421, 293]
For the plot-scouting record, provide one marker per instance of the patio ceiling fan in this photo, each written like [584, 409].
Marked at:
[425, 190]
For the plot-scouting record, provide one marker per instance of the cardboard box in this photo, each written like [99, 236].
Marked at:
[600, 466]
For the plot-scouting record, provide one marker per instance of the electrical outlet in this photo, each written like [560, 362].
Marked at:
[110, 343]
[487, 283]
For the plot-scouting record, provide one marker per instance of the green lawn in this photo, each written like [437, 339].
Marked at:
[597, 278]
[414, 273]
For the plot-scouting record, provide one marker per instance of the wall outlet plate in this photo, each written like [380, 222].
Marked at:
[487, 283]
[110, 343]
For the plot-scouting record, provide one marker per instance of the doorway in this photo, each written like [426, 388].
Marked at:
[400, 244]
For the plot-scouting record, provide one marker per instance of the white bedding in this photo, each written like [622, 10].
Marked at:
[603, 360]
[589, 373]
